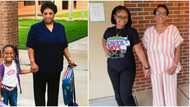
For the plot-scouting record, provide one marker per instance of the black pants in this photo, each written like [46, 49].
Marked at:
[40, 80]
[122, 82]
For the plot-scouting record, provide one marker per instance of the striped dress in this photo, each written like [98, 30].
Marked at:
[161, 46]
[160, 50]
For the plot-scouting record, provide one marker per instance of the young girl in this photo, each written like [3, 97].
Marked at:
[9, 75]
[118, 43]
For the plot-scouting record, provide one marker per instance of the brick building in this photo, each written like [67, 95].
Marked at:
[8, 23]
[28, 8]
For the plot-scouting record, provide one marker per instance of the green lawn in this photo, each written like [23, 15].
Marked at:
[74, 29]
[75, 14]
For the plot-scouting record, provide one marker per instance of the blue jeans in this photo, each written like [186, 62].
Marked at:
[10, 96]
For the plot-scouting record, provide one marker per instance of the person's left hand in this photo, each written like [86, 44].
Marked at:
[172, 69]
[72, 63]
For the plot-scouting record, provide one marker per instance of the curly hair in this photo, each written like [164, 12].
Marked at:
[14, 48]
[50, 5]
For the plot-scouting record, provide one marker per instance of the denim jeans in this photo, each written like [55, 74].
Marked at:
[10, 96]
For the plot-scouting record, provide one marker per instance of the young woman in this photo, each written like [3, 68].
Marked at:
[118, 43]
[162, 42]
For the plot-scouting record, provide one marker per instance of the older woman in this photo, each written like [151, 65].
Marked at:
[162, 42]
[47, 44]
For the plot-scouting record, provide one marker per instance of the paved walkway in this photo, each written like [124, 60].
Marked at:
[144, 98]
[79, 51]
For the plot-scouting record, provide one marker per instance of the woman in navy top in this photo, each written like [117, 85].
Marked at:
[119, 41]
[47, 44]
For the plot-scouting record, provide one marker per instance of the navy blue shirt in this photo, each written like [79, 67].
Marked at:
[130, 37]
[48, 46]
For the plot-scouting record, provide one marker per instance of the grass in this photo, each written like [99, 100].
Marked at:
[75, 14]
[74, 29]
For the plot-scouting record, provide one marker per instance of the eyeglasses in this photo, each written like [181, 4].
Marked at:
[163, 14]
[46, 13]
[122, 17]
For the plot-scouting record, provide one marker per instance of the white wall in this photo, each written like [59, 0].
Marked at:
[99, 84]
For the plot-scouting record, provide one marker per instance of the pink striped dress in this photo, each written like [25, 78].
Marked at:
[160, 47]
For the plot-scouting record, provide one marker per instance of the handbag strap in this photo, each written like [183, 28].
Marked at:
[74, 93]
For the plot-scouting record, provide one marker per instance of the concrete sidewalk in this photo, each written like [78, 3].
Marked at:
[144, 98]
[79, 51]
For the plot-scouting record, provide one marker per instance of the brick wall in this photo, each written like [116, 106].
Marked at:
[26, 10]
[142, 16]
[8, 23]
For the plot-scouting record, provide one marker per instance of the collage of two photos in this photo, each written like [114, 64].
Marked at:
[94, 53]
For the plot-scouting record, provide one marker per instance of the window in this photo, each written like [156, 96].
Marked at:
[40, 2]
[29, 3]
[75, 4]
[65, 4]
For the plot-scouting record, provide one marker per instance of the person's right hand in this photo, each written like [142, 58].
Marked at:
[146, 73]
[106, 51]
[34, 67]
